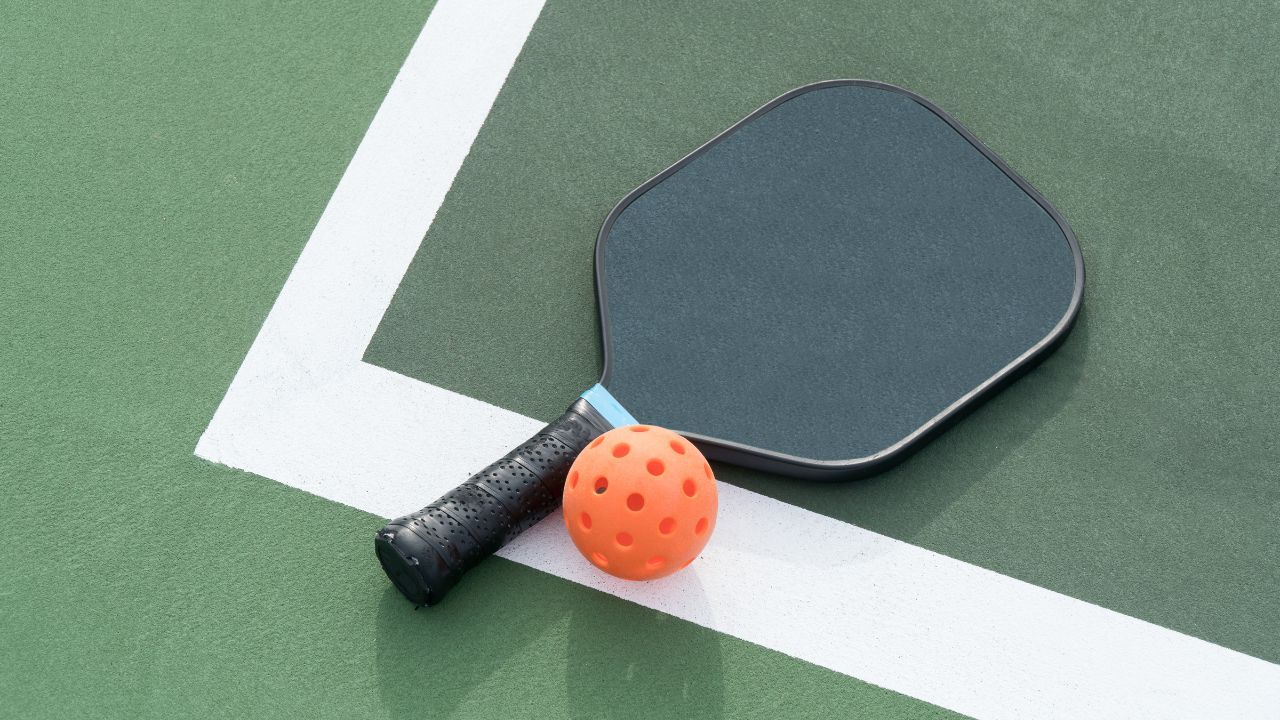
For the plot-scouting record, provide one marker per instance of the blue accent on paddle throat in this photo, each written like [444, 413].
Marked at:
[608, 406]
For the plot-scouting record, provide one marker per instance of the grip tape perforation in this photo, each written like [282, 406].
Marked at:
[425, 553]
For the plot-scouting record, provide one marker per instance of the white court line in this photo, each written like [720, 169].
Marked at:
[306, 411]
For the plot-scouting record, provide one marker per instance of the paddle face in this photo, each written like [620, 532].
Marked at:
[826, 283]
[813, 292]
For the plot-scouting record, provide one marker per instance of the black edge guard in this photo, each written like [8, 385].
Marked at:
[427, 552]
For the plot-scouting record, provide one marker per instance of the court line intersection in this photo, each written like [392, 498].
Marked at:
[305, 410]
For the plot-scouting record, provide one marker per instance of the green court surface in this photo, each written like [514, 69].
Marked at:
[1144, 444]
[163, 165]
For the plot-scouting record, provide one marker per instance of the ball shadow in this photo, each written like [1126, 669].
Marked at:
[430, 660]
[628, 661]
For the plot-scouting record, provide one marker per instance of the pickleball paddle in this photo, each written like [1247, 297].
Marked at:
[814, 292]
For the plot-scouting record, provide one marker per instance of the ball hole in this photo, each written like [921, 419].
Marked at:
[690, 488]
[585, 521]
[667, 526]
[706, 467]
[597, 441]
[701, 527]
[573, 480]
[635, 501]
[655, 467]
[624, 539]
[655, 562]
[621, 450]
[677, 446]
[600, 559]
[639, 428]
[602, 484]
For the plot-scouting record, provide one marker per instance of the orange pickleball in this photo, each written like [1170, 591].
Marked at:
[640, 502]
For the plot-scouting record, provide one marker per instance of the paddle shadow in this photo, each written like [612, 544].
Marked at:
[901, 501]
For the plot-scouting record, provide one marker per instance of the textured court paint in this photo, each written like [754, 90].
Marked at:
[828, 278]
[138, 265]
[1137, 467]
[305, 410]
[302, 409]
[163, 164]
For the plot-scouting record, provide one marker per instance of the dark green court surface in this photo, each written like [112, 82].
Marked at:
[162, 165]
[1135, 468]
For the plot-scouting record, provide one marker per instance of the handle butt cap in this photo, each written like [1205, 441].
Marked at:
[407, 560]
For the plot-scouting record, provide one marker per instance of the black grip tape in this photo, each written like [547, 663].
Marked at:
[427, 552]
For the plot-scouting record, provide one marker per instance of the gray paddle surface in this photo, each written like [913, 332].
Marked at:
[828, 277]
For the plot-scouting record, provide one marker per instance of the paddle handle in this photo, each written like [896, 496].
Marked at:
[427, 552]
